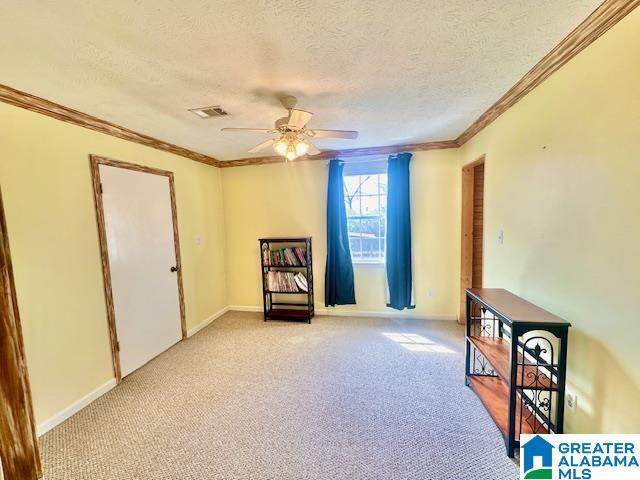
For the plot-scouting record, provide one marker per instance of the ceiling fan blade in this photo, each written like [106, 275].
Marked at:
[348, 134]
[313, 150]
[257, 148]
[298, 118]
[248, 130]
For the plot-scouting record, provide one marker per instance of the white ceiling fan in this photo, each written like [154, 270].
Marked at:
[291, 133]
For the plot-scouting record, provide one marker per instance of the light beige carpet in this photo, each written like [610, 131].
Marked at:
[342, 398]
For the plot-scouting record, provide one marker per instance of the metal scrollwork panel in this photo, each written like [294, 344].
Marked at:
[481, 366]
[537, 383]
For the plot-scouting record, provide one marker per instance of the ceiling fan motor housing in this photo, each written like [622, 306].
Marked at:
[282, 122]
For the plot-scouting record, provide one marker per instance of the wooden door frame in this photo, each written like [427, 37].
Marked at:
[95, 162]
[17, 427]
[466, 250]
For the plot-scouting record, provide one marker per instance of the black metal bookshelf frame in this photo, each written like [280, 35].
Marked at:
[277, 309]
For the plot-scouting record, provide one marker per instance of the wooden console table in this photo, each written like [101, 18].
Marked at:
[516, 361]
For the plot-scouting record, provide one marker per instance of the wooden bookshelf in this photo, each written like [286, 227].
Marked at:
[516, 359]
[298, 305]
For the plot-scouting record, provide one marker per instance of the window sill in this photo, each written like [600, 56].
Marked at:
[368, 263]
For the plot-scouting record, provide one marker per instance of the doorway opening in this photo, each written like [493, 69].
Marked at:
[141, 266]
[472, 252]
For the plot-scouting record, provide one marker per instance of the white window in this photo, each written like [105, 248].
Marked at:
[365, 196]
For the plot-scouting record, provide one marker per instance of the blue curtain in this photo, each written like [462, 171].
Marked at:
[398, 254]
[338, 277]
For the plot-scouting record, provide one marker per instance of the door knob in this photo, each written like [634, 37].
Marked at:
[174, 269]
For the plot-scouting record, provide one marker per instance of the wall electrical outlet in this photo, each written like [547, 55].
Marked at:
[198, 240]
[571, 400]
[430, 293]
[500, 237]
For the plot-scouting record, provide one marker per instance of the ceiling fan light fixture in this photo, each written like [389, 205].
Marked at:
[302, 147]
[281, 146]
[291, 153]
[291, 146]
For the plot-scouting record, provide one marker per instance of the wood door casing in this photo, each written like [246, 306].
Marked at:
[478, 225]
[18, 441]
[472, 230]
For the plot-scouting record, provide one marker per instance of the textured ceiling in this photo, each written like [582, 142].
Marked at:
[398, 71]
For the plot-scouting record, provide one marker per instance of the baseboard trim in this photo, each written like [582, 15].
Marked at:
[74, 408]
[358, 313]
[244, 308]
[390, 314]
[205, 323]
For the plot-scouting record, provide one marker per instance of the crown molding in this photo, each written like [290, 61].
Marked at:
[350, 152]
[595, 25]
[59, 112]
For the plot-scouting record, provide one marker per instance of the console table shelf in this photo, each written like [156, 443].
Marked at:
[498, 350]
[494, 395]
[516, 356]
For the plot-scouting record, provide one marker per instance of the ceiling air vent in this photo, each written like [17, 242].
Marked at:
[209, 112]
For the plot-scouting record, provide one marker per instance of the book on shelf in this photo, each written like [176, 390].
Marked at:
[287, 282]
[301, 281]
[300, 255]
[284, 257]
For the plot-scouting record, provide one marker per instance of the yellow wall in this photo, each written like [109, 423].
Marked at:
[563, 182]
[287, 200]
[46, 185]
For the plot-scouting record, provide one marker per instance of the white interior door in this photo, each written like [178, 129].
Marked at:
[140, 242]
